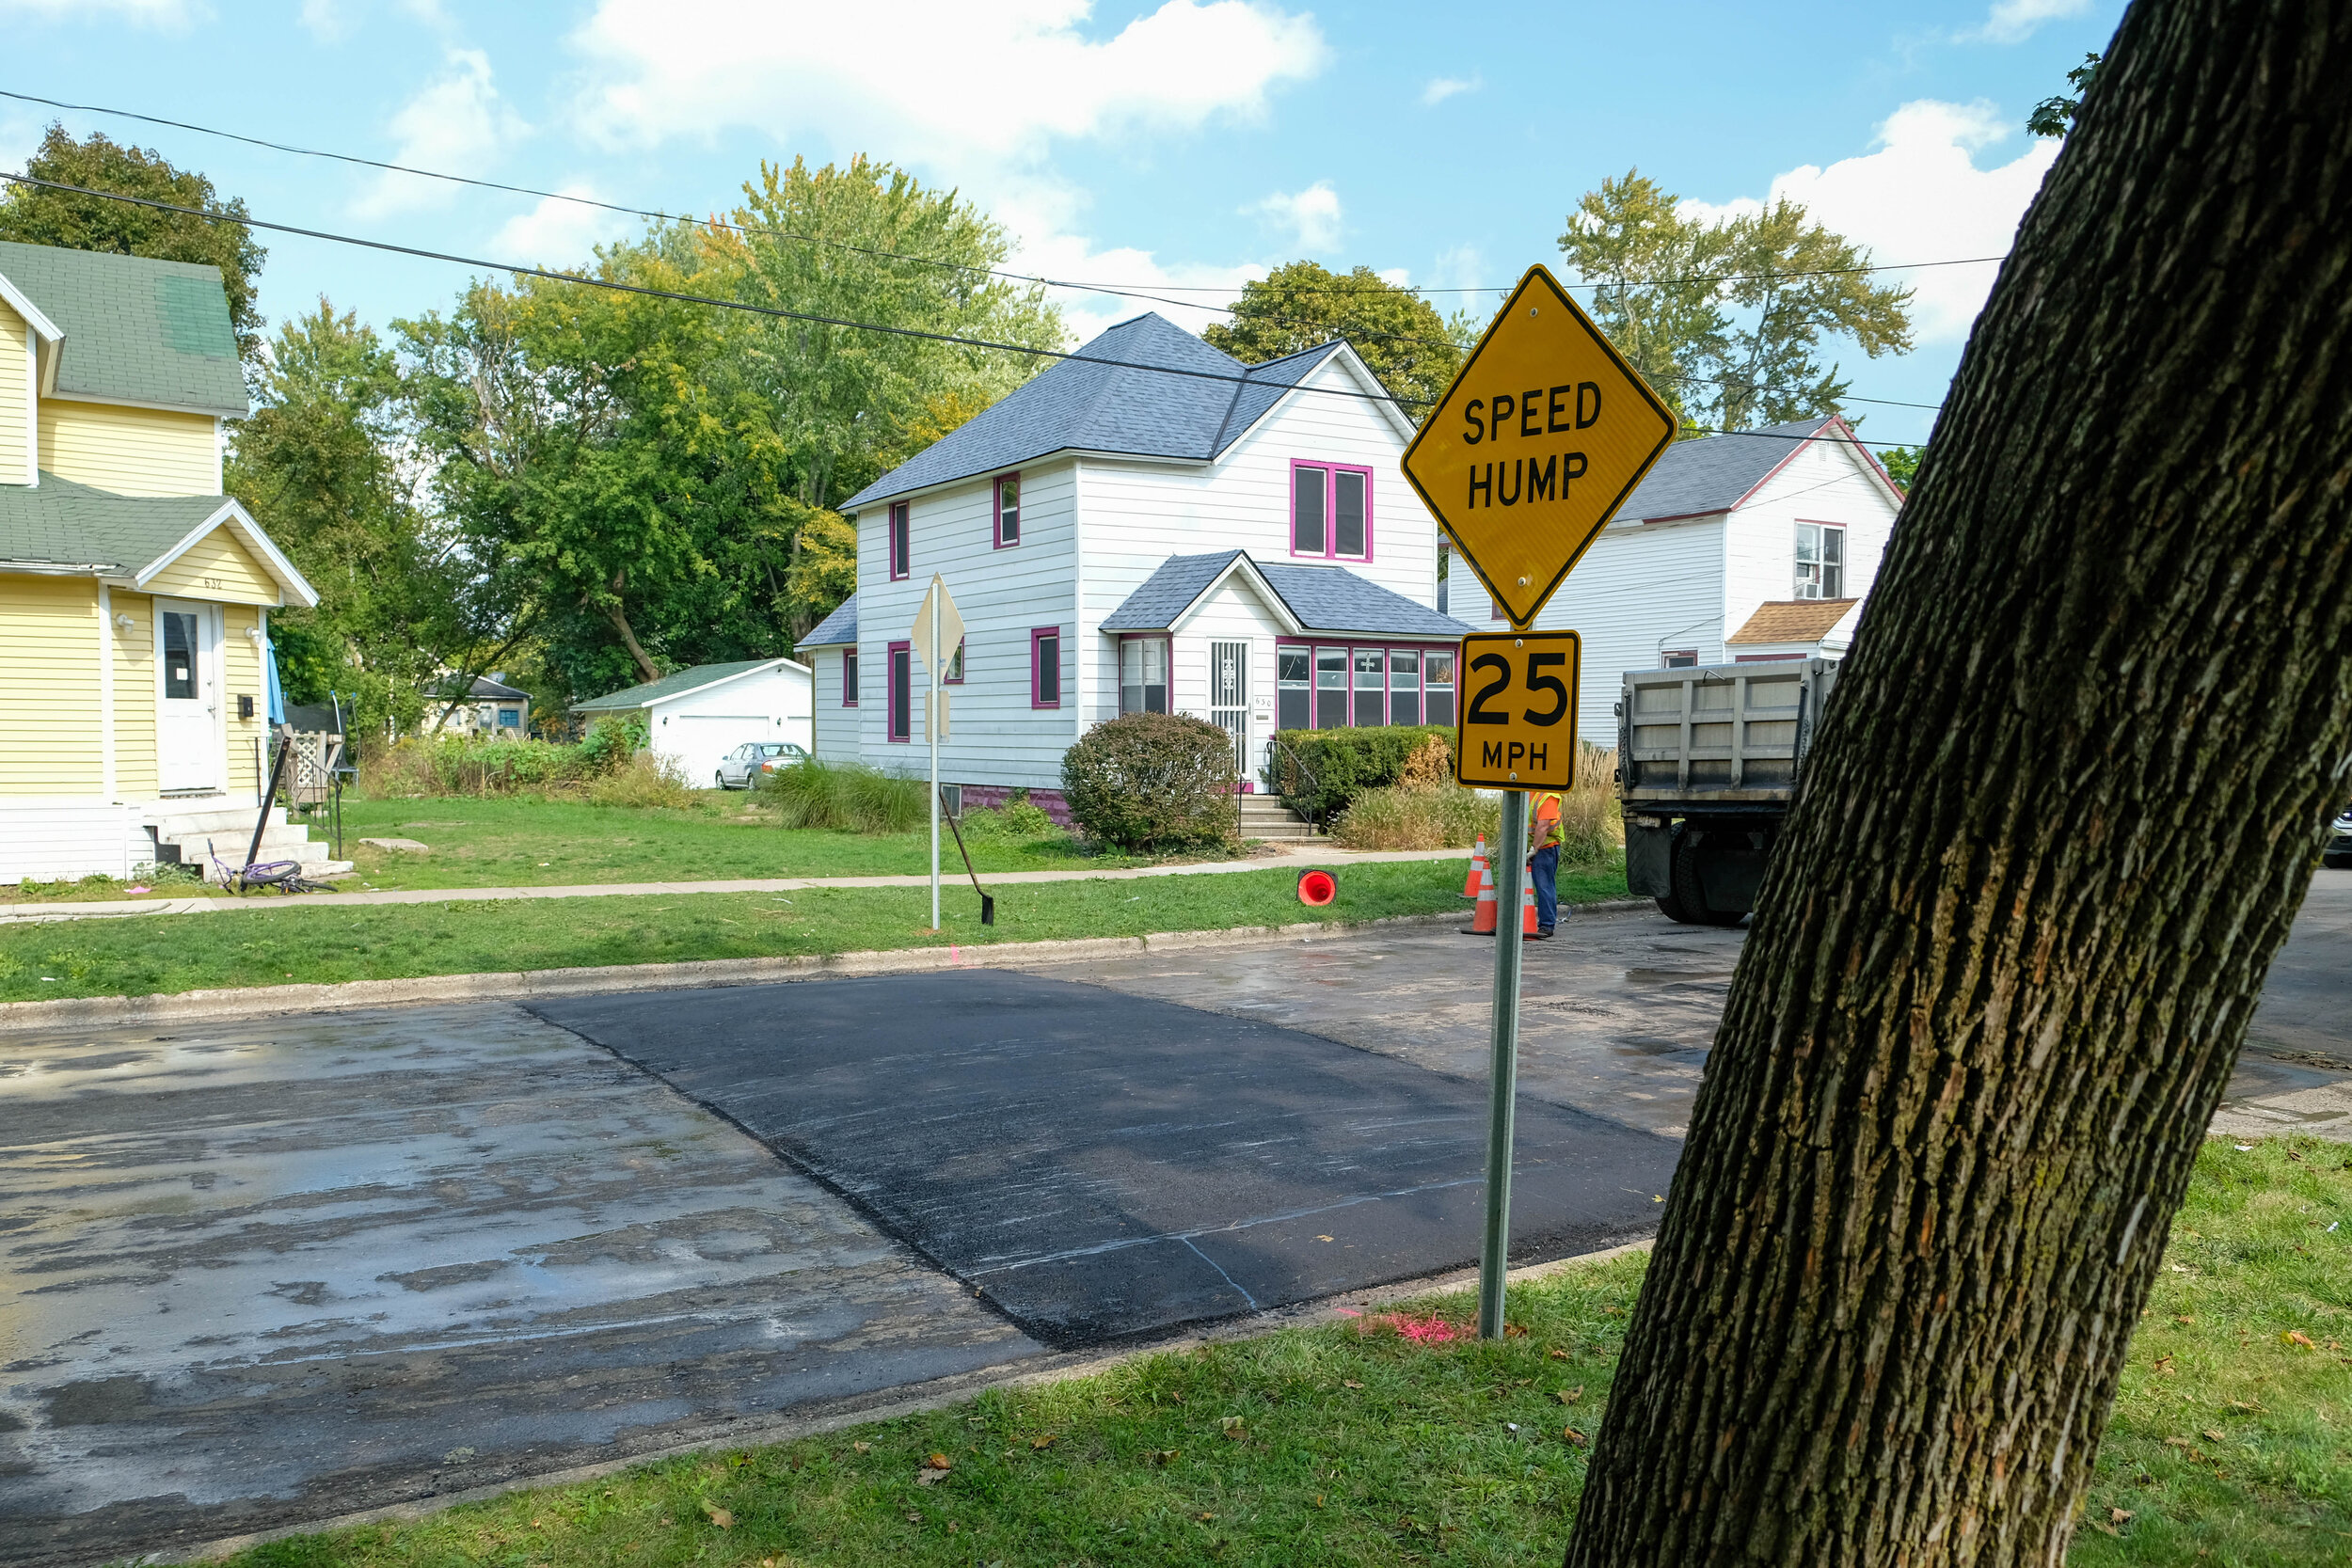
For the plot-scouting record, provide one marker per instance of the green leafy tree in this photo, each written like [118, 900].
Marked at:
[2054, 117]
[837, 242]
[1414, 351]
[33, 215]
[1902, 463]
[1727, 320]
[318, 466]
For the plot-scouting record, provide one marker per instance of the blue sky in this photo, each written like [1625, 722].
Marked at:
[1177, 145]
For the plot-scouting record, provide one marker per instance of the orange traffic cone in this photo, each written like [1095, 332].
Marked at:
[1488, 913]
[1527, 903]
[1477, 868]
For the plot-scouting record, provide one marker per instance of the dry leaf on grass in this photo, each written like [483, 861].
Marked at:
[939, 1462]
[2117, 1515]
[719, 1516]
[1574, 1436]
[1162, 1456]
[1350, 1383]
[1205, 1518]
[1569, 1396]
[2164, 1363]
[1236, 1429]
[2213, 1437]
[862, 1448]
[2297, 1336]
[1044, 1442]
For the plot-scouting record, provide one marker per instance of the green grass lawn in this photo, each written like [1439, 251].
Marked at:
[276, 941]
[1362, 1443]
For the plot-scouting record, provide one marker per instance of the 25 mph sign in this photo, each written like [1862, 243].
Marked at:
[1516, 729]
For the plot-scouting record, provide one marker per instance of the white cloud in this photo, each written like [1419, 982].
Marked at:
[1312, 215]
[1442, 88]
[171, 14]
[455, 125]
[558, 233]
[959, 84]
[2011, 21]
[1922, 197]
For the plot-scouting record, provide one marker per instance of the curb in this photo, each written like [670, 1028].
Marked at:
[98, 1012]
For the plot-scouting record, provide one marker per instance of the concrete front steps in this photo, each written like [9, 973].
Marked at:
[183, 837]
[1265, 816]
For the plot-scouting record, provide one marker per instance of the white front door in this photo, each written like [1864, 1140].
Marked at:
[187, 696]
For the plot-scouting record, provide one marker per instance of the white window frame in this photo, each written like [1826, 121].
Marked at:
[1820, 561]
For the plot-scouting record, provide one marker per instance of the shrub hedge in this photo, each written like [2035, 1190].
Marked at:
[1342, 764]
[1151, 781]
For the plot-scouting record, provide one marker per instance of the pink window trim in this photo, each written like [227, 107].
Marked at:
[996, 511]
[1314, 692]
[890, 674]
[849, 678]
[1330, 510]
[900, 512]
[1037, 668]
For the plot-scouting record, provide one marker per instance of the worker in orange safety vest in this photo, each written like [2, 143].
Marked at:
[1542, 866]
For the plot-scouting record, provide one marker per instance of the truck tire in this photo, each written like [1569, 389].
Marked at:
[1690, 894]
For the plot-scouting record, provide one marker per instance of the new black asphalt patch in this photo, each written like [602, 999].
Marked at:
[1103, 1164]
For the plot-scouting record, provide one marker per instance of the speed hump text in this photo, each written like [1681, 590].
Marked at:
[1516, 726]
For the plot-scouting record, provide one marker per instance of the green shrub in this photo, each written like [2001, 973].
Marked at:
[1148, 781]
[1419, 817]
[850, 797]
[1333, 767]
[1014, 820]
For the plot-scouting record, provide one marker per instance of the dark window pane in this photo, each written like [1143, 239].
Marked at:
[901, 687]
[1307, 535]
[1441, 707]
[1049, 670]
[1291, 713]
[1290, 665]
[1009, 510]
[1403, 707]
[1347, 513]
[1330, 689]
[1371, 681]
[179, 653]
[849, 678]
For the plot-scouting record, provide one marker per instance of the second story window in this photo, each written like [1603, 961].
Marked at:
[899, 554]
[1820, 562]
[1330, 511]
[1008, 510]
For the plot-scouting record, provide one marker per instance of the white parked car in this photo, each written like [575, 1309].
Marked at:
[2337, 856]
[742, 765]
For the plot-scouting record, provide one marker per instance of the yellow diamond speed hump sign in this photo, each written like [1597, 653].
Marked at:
[1539, 442]
[1516, 726]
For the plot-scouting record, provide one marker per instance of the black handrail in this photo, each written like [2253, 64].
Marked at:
[1277, 755]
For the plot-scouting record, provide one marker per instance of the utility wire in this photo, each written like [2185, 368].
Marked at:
[1121, 291]
[779, 312]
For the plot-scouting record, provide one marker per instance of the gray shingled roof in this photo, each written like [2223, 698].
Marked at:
[1711, 472]
[59, 523]
[670, 686]
[1110, 399]
[838, 627]
[1323, 598]
[135, 329]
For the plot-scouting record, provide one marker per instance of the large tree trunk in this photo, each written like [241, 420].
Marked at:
[2065, 805]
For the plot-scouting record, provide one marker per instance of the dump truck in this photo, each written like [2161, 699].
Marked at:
[1708, 757]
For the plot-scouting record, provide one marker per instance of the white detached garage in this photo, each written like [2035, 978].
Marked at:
[694, 717]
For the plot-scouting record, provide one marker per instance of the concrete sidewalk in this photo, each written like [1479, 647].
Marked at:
[118, 909]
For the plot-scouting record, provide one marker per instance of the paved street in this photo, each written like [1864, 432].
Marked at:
[270, 1270]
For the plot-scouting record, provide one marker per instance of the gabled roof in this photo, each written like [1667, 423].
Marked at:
[485, 689]
[1715, 473]
[678, 685]
[1145, 387]
[836, 628]
[59, 525]
[134, 331]
[1792, 620]
[1317, 599]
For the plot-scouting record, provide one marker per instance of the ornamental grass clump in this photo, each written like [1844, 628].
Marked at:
[1427, 810]
[1151, 781]
[847, 797]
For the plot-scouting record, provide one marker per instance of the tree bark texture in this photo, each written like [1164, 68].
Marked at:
[2066, 802]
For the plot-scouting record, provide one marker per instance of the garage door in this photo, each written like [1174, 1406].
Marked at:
[697, 742]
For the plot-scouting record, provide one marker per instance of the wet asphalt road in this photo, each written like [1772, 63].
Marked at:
[261, 1272]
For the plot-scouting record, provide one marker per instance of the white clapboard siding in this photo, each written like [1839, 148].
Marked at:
[43, 839]
[1826, 482]
[834, 724]
[1642, 587]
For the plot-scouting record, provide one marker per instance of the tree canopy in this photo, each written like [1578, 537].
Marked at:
[1399, 334]
[1727, 320]
[33, 215]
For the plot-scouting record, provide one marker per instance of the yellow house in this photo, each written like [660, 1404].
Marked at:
[134, 596]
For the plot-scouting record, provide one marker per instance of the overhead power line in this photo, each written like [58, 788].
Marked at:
[774, 312]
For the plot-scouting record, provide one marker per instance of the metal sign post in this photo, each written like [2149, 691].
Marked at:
[1494, 1252]
[938, 633]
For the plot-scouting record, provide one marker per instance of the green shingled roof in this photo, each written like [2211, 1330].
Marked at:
[669, 685]
[59, 523]
[136, 330]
